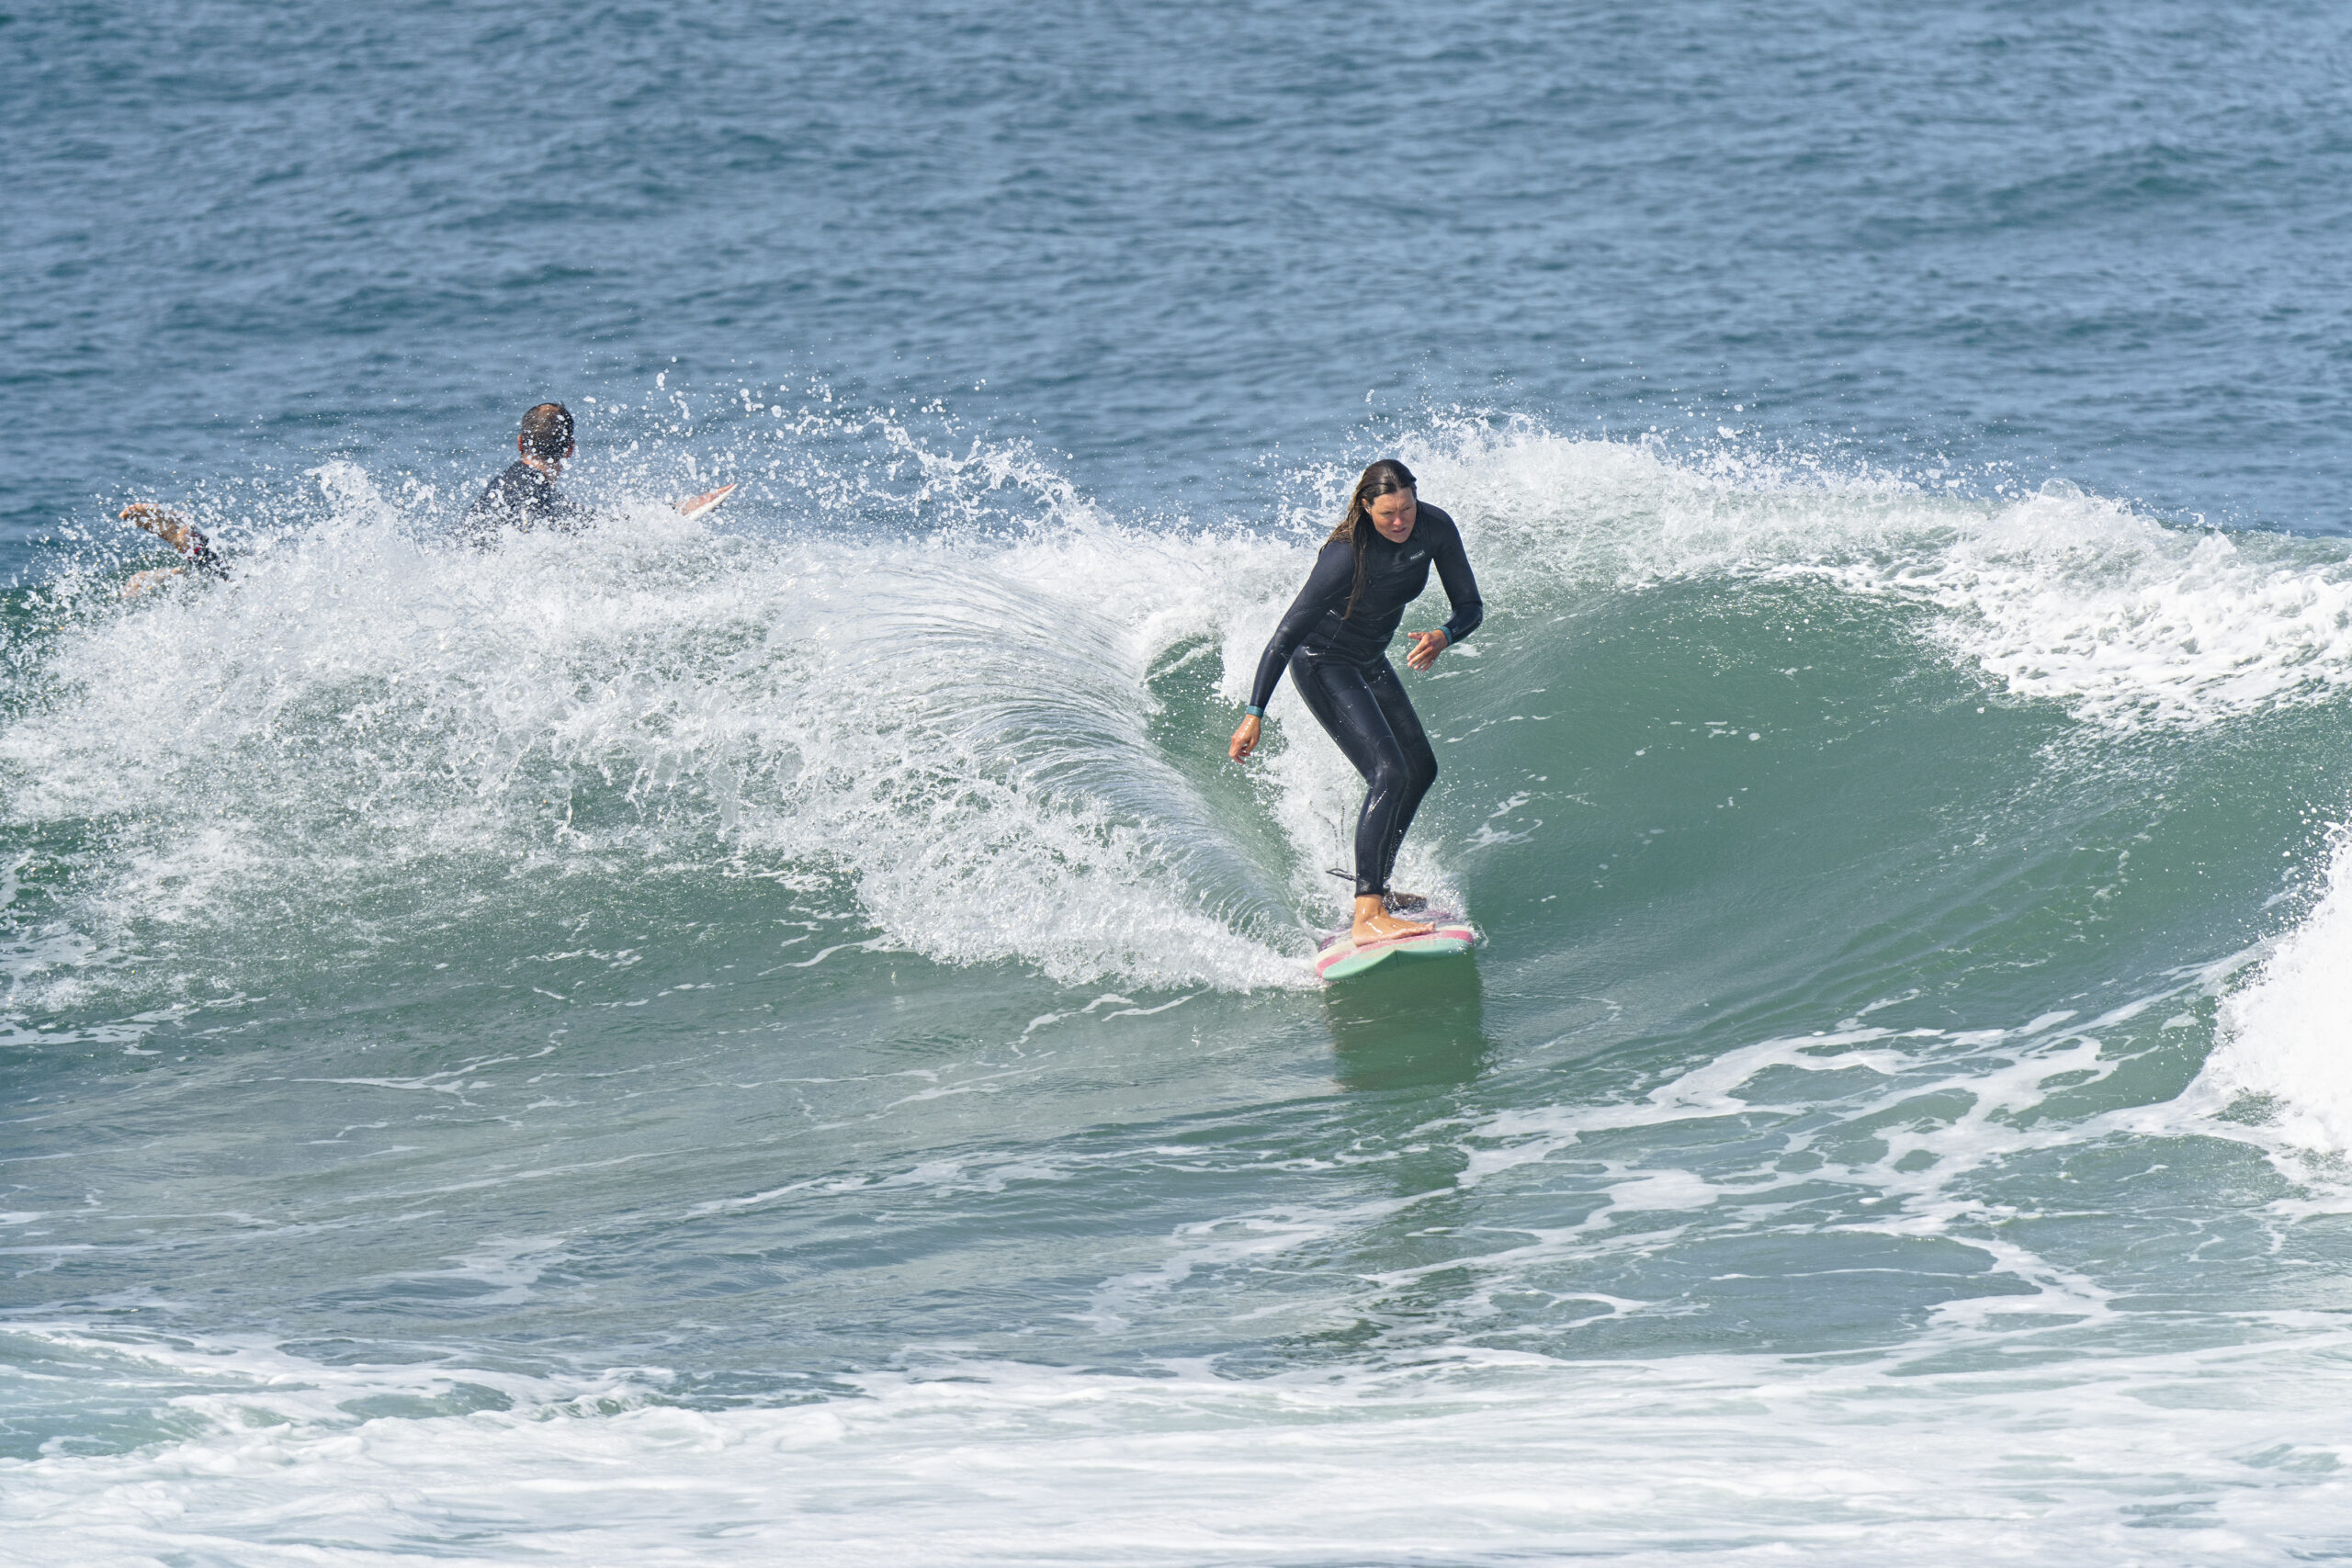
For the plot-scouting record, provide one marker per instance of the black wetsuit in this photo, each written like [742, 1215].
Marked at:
[1338, 660]
[523, 497]
[201, 558]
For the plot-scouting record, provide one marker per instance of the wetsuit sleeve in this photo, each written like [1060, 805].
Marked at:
[522, 497]
[1452, 564]
[201, 560]
[1326, 591]
[495, 505]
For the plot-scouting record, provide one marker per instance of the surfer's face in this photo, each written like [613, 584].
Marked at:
[1393, 515]
[546, 465]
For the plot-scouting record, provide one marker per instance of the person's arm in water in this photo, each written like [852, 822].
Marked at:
[1452, 563]
[181, 535]
[1326, 591]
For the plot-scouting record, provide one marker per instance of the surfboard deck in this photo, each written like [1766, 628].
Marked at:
[1340, 957]
[695, 505]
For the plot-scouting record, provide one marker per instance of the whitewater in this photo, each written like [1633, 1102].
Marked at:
[716, 1036]
[782, 1036]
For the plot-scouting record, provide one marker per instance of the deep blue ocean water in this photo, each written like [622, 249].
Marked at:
[781, 1036]
[1178, 248]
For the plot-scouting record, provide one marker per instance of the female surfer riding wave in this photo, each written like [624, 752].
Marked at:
[1335, 638]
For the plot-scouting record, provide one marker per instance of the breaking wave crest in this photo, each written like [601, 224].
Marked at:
[988, 712]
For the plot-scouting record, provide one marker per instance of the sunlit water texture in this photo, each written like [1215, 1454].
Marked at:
[781, 1036]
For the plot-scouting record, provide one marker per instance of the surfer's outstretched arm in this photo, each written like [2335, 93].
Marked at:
[1326, 591]
[161, 521]
[142, 581]
[175, 531]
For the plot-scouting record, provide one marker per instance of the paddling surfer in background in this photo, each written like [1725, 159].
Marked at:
[182, 536]
[1335, 638]
[524, 497]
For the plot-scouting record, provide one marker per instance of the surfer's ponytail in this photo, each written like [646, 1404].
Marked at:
[1386, 477]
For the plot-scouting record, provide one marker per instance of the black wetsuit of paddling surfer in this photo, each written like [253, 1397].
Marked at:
[524, 498]
[1338, 660]
[201, 558]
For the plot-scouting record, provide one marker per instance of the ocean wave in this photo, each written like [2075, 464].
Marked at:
[1471, 1457]
[991, 711]
[2279, 1063]
[2055, 594]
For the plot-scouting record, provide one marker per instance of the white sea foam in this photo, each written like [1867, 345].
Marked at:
[955, 713]
[958, 727]
[2055, 594]
[2232, 1454]
[1909, 1136]
[2283, 1059]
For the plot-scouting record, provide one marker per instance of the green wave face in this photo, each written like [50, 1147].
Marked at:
[723, 969]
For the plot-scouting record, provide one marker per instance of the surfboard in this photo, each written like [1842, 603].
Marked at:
[695, 505]
[1340, 957]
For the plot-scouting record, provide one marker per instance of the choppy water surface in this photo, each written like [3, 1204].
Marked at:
[781, 1035]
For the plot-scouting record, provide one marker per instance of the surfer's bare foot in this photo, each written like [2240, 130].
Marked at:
[1402, 902]
[1374, 923]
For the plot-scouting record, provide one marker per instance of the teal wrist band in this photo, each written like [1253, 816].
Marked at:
[1254, 713]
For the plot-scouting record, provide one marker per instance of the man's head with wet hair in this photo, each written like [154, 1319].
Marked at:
[546, 432]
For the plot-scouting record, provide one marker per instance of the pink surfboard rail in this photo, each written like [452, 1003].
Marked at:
[1340, 957]
[695, 505]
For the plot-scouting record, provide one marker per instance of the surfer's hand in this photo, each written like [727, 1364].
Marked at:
[148, 515]
[161, 521]
[1245, 739]
[1427, 646]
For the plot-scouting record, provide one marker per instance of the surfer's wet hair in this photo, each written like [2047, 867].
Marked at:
[1386, 477]
[547, 432]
